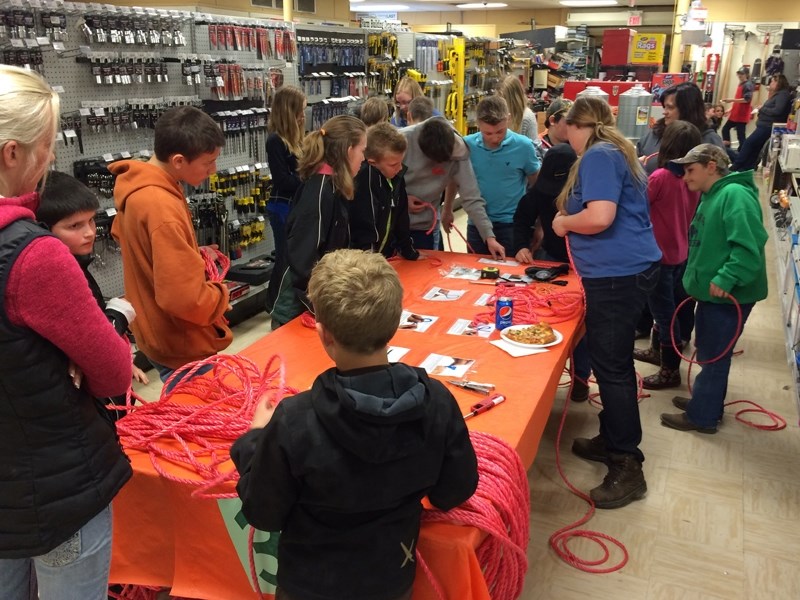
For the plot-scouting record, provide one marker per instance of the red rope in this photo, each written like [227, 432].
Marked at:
[212, 256]
[470, 249]
[559, 540]
[536, 304]
[778, 422]
[501, 508]
[139, 592]
[204, 432]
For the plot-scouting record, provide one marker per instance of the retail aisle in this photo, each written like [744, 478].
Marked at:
[722, 516]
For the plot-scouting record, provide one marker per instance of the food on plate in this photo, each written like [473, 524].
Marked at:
[538, 334]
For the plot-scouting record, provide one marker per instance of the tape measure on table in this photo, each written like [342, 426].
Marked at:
[490, 273]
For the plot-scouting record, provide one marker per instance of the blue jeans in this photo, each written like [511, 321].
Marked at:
[75, 570]
[581, 363]
[740, 131]
[661, 303]
[750, 151]
[715, 327]
[164, 373]
[424, 241]
[613, 306]
[503, 233]
[278, 212]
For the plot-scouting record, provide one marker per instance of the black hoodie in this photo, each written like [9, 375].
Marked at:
[340, 470]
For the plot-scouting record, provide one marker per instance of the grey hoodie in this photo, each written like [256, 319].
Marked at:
[427, 180]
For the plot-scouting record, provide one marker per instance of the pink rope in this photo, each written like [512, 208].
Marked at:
[203, 432]
[501, 508]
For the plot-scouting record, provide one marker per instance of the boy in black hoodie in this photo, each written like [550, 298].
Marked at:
[340, 469]
[67, 208]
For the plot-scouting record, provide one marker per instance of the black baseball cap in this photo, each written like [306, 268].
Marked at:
[743, 71]
[555, 169]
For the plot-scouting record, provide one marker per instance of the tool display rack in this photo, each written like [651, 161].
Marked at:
[330, 59]
[109, 103]
[786, 237]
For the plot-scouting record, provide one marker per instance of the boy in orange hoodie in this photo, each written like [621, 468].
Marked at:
[179, 312]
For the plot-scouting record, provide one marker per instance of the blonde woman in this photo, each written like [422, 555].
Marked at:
[522, 119]
[318, 222]
[404, 92]
[60, 461]
[286, 128]
[604, 211]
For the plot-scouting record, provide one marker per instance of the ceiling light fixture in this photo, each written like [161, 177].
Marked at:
[588, 3]
[355, 1]
[482, 5]
[382, 7]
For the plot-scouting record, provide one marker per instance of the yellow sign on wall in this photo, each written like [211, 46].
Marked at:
[648, 48]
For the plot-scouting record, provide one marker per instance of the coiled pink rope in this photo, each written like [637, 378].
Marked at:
[203, 432]
[212, 256]
[501, 508]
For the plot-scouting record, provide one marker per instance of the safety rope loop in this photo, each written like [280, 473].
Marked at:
[501, 508]
[778, 422]
[198, 437]
[216, 263]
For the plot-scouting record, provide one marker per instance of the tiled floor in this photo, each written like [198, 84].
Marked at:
[722, 516]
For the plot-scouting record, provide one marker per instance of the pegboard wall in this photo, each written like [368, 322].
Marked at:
[117, 68]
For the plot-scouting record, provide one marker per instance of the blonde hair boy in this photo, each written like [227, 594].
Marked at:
[357, 298]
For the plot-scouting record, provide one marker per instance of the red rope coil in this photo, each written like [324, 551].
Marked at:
[501, 508]
[217, 264]
[198, 437]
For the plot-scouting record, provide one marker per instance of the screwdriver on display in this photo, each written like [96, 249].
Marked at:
[484, 405]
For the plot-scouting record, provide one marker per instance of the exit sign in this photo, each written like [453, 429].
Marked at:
[634, 20]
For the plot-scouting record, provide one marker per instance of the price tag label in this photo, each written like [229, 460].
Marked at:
[58, 89]
[58, 46]
[125, 154]
[111, 211]
[108, 157]
[85, 112]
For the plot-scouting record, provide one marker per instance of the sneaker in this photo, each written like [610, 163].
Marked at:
[651, 355]
[580, 391]
[665, 378]
[623, 484]
[591, 449]
[682, 423]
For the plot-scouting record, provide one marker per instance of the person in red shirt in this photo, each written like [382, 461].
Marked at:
[739, 115]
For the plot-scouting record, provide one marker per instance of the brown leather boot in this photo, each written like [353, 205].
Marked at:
[591, 448]
[623, 484]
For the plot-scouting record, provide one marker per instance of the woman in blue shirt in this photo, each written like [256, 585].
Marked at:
[605, 212]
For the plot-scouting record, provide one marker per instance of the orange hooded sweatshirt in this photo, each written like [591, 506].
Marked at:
[179, 313]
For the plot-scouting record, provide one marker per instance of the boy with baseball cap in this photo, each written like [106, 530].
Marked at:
[726, 262]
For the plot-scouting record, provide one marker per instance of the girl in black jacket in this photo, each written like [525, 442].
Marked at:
[318, 217]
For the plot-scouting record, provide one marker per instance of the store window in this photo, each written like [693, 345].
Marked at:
[308, 6]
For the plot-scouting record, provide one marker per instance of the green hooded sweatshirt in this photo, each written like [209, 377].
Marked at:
[726, 242]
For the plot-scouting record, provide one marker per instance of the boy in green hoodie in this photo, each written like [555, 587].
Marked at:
[726, 262]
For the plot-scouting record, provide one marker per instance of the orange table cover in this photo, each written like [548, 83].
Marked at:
[198, 547]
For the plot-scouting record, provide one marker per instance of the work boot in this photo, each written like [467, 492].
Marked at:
[665, 378]
[680, 402]
[682, 423]
[653, 354]
[580, 390]
[623, 484]
[591, 448]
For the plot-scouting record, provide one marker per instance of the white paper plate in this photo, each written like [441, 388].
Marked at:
[503, 335]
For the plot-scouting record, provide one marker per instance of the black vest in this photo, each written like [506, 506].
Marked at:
[60, 460]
